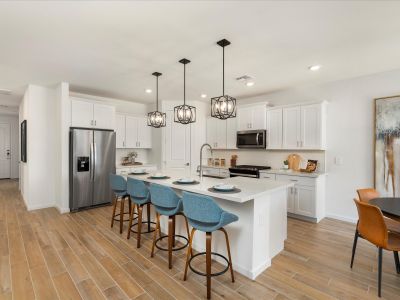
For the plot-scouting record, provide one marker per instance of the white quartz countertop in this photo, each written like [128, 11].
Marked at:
[119, 166]
[251, 188]
[292, 173]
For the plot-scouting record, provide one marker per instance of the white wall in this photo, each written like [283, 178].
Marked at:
[350, 132]
[14, 142]
[38, 173]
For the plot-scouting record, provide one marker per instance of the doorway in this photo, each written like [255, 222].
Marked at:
[5, 151]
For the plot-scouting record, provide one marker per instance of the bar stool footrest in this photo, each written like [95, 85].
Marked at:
[175, 248]
[126, 213]
[212, 274]
[143, 223]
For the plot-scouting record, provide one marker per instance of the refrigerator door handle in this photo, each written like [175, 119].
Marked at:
[94, 158]
[91, 161]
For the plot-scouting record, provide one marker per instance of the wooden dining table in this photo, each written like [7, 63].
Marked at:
[390, 206]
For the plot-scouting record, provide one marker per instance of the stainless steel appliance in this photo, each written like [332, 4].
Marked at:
[247, 171]
[92, 159]
[251, 139]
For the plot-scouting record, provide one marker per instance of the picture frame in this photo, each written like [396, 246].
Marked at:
[23, 141]
[387, 146]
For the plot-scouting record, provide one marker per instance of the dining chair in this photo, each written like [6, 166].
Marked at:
[366, 195]
[372, 227]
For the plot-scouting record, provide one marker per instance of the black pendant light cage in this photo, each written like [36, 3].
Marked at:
[223, 107]
[184, 114]
[156, 119]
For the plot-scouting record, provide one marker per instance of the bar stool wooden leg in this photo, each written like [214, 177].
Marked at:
[229, 252]
[170, 240]
[396, 260]
[148, 217]
[130, 205]
[121, 215]
[155, 233]
[114, 209]
[189, 253]
[379, 271]
[130, 220]
[139, 229]
[173, 231]
[208, 263]
[188, 233]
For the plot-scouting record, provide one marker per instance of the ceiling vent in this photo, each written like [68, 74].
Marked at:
[5, 92]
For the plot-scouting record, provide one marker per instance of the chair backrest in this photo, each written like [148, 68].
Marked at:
[117, 183]
[371, 225]
[163, 196]
[137, 188]
[201, 208]
[365, 195]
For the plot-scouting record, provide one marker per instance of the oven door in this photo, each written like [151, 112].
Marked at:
[251, 139]
[243, 173]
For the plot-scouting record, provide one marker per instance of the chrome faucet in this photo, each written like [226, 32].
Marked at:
[201, 158]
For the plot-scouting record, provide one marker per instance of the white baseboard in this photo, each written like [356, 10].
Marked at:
[39, 206]
[63, 210]
[342, 218]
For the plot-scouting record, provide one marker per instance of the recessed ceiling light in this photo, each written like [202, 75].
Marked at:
[249, 83]
[203, 95]
[148, 91]
[5, 92]
[314, 67]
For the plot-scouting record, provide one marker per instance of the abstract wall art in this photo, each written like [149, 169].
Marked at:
[387, 146]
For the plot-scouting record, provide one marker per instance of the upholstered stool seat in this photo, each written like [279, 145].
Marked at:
[204, 214]
[140, 196]
[167, 203]
[118, 185]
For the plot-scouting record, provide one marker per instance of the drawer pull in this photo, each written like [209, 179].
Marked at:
[293, 180]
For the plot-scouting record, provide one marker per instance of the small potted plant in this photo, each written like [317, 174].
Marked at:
[286, 164]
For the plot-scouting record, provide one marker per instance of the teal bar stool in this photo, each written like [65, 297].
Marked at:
[118, 185]
[140, 196]
[204, 214]
[167, 203]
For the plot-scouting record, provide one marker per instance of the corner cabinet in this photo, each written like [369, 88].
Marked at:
[297, 127]
[132, 132]
[251, 117]
[87, 114]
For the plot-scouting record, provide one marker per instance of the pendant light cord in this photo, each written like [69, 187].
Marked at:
[223, 71]
[157, 95]
[184, 84]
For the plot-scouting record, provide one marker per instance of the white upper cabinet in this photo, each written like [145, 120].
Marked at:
[120, 130]
[133, 132]
[92, 115]
[274, 128]
[291, 127]
[252, 117]
[231, 129]
[312, 127]
[216, 133]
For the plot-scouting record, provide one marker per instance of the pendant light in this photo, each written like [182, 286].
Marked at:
[184, 114]
[223, 107]
[156, 118]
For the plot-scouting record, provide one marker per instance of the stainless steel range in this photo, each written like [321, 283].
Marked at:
[247, 171]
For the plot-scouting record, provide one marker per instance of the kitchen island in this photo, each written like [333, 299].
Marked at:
[259, 234]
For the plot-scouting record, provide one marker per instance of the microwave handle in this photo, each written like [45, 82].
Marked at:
[257, 141]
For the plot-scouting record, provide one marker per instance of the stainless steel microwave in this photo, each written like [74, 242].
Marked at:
[251, 139]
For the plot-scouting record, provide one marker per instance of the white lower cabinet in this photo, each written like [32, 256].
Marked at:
[306, 199]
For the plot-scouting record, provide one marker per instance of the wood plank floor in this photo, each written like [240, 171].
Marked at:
[45, 255]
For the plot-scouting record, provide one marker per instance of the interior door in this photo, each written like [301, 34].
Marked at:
[104, 164]
[5, 151]
[177, 144]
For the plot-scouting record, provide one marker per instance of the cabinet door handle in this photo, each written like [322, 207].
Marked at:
[95, 123]
[293, 180]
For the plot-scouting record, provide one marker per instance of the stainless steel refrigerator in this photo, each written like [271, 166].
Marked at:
[92, 159]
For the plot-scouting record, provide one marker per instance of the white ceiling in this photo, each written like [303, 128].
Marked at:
[111, 48]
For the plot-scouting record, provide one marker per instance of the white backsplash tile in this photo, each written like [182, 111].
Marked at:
[142, 155]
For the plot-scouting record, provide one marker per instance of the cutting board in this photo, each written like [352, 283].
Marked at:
[294, 162]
